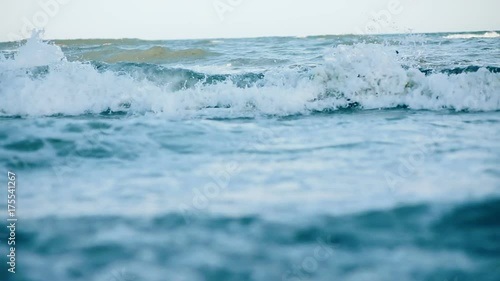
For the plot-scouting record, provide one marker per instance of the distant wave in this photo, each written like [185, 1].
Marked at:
[473, 35]
[86, 42]
[39, 80]
[156, 54]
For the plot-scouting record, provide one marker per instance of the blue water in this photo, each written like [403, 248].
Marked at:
[318, 158]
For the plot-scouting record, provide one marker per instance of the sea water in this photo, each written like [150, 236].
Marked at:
[317, 158]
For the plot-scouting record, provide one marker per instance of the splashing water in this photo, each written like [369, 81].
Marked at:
[39, 80]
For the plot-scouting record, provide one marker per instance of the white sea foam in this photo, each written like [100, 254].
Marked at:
[34, 53]
[369, 75]
[491, 34]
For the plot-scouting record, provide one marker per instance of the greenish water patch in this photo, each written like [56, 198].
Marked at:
[26, 145]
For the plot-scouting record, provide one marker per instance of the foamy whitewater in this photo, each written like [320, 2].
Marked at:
[317, 158]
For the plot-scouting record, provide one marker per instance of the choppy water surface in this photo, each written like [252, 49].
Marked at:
[319, 158]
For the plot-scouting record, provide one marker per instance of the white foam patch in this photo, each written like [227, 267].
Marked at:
[368, 74]
[471, 36]
[34, 53]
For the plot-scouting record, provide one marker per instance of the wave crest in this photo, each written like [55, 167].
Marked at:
[39, 80]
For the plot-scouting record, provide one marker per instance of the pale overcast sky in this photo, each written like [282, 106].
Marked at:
[174, 19]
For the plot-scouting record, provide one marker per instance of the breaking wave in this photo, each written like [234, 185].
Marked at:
[474, 35]
[38, 80]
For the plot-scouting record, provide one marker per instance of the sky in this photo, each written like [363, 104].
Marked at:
[187, 19]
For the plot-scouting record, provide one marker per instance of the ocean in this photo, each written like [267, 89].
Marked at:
[282, 158]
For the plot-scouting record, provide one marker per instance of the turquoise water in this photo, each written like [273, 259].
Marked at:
[318, 158]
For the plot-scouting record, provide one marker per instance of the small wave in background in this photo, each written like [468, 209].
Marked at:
[154, 54]
[491, 34]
